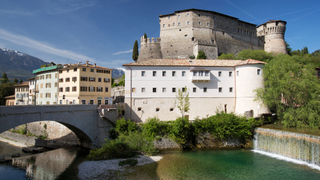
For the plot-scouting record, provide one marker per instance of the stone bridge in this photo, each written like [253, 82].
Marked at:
[84, 120]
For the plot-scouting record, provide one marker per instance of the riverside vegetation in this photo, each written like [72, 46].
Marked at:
[130, 139]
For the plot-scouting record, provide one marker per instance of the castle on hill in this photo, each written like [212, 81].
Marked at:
[185, 32]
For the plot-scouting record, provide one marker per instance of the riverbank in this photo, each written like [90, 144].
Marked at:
[14, 143]
[106, 168]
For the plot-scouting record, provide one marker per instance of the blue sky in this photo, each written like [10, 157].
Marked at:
[103, 31]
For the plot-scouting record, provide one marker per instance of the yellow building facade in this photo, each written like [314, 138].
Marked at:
[84, 84]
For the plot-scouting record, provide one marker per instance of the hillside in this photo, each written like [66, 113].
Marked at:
[18, 65]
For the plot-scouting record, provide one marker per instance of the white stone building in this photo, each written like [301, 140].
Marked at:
[32, 88]
[47, 79]
[228, 85]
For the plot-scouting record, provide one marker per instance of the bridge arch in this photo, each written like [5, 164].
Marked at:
[80, 119]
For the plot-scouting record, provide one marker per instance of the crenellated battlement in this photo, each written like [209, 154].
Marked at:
[272, 27]
[147, 41]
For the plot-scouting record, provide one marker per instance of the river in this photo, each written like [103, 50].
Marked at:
[205, 164]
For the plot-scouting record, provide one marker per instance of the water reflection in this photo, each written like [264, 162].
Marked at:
[48, 165]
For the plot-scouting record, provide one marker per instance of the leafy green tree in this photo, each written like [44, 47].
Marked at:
[4, 78]
[260, 55]
[305, 50]
[135, 52]
[292, 90]
[201, 55]
[183, 100]
[16, 80]
[6, 89]
[289, 49]
[192, 57]
[21, 81]
[122, 81]
[227, 56]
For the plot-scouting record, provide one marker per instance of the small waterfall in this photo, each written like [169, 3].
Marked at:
[290, 146]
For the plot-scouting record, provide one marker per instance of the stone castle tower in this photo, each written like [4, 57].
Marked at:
[273, 32]
[185, 32]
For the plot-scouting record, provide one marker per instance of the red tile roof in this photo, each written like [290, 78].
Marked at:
[193, 62]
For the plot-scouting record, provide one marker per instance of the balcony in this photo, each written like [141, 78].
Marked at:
[200, 75]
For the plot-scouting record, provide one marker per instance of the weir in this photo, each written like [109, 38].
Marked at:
[297, 147]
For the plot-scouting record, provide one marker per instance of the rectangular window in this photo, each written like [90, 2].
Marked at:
[99, 79]
[173, 89]
[164, 89]
[40, 95]
[55, 84]
[154, 90]
[107, 89]
[154, 73]
[258, 71]
[106, 79]
[74, 79]
[99, 89]
[205, 89]
[183, 89]
[183, 73]
[143, 90]
[230, 73]
[92, 79]
[194, 90]
[67, 79]
[67, 89]
[83, 78]
[219, 73]
[83, 88]
[75, 69]
[207, 73]
[133, 90]
[84, 69]
[67, 70]
[220, 89]
[61, 80]
[74, 89]
[91, 101]
[91, 70]
[230, 89]
[173, 73]
[106, 71]
[83, 101]
[61, 89]
[91, 89]
[60, 72]
[41, 86]
[164, 73]
[143, 73]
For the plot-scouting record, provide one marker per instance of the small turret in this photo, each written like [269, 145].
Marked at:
[149, 50]
[273, 32]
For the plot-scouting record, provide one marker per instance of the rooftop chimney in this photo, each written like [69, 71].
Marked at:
[95, 65]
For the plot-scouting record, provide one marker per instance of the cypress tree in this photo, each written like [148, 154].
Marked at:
[135, 52]
[145, 37]
[16, 80]
[4, 78]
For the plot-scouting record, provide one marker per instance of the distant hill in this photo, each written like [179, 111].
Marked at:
[17, 64]
[117, 72]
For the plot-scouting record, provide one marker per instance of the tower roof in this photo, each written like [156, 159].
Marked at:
[270, 21]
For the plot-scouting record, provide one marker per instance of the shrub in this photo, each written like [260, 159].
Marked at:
[130, 162]
[153, 127]
[125, 126]
[140, 142]
[112, 149]
[181, 130]
[113, 133]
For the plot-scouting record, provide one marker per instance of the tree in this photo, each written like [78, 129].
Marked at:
[289, 49]
[16, 80]
[21, 81]
[201, 55]
[305, 50]
[4, 78]
[135, 52]
[145, 37]
[6, 89]
[260, 55]
[227, 56]
[183, 100]
[292, 90]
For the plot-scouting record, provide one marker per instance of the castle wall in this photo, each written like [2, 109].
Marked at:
[150, 50]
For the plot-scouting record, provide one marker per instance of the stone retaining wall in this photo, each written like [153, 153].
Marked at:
[27, 140]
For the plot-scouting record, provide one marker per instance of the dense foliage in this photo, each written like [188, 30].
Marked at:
[135, 51]
[292, 90]
[6, 88]
[120, 83]
[201, 55]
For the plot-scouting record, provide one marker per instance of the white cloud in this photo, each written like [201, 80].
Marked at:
[122, 52]
[74, 7]
[27, 42]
